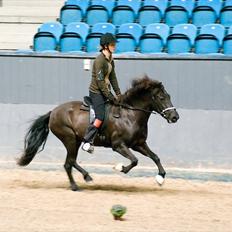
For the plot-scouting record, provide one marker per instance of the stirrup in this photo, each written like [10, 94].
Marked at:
[88, 147]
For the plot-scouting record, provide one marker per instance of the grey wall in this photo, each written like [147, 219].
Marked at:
[200, 89]
[193, 84]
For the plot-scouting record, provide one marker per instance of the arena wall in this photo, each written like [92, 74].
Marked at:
[200, 87]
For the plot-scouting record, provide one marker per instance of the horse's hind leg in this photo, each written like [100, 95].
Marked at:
[72, 145]
[85, 174]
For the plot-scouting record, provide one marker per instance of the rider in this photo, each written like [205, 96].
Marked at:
[103, 75]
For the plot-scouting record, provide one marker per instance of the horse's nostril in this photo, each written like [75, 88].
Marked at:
[174, 119]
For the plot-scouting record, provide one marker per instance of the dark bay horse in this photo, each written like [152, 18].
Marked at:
[68, 123]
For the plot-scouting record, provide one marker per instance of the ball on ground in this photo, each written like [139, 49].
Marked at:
[118, 211]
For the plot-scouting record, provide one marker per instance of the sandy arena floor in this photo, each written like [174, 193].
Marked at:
[40, 201]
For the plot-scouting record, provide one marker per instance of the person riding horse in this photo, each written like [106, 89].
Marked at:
[103, 75]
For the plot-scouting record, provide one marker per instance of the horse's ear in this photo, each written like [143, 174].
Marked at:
[157, 84]
[160, 84]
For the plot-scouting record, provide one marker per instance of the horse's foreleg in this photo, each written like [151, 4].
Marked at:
[145, 150]
[124, 151]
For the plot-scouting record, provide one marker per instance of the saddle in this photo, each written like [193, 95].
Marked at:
[87, 105]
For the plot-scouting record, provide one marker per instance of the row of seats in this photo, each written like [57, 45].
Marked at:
[173, 12]
[132, 37]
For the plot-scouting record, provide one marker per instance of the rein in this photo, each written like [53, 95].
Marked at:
[139, 109]
[146, 111]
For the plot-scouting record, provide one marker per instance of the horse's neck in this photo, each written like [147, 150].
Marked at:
[142, 117]
[142, 112]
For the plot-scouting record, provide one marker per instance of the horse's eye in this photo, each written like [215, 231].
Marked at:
[161, 97]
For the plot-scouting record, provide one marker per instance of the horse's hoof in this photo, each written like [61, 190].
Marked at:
[90, 183]
[119, 167]
[75, 188]
[88, 178]
[159, 179]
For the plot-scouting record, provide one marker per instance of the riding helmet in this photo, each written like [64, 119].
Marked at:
[107, 39]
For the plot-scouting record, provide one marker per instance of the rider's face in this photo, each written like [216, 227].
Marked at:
[112, 47]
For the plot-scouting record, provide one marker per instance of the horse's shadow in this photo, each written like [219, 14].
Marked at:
[93, 187]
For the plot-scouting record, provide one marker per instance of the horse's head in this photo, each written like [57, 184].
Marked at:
[161, 103]
[149, 93]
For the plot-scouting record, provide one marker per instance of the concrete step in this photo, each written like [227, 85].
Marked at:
[33, 3]
[17, 36]
[28, 14]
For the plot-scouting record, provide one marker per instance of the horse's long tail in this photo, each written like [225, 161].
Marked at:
[35, 138]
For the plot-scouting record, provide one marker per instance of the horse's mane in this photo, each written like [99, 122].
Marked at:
[140, 86]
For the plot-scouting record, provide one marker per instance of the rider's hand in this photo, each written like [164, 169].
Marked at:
[119, 98]
[116, 101]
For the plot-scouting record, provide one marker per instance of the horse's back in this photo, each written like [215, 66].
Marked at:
[69, 115]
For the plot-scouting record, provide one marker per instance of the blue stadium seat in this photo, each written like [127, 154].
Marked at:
[83, 4]
[229, 31]
[227, 3]
[161, 5]
[53, 27]
[125, 43]
[134, 4]
[206, 12]
[44, 41]
[70, 14]
[154, 38]
[148, 15]
[227, 43]
[160, 29]
[96, 14]
[226, 14]
[209, 39]
[123, 14]
[179, 12]
[80, 28]
[92, 42]
[108, 4]
[103, 28]
[133, 29]
[182, 39]
[152, 11]
[70, 42]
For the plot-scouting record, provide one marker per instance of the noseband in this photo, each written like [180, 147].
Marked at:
[167, 109]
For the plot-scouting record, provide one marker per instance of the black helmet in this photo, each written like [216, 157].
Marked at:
[107, 39]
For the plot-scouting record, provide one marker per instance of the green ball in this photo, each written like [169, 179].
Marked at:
[118, 211]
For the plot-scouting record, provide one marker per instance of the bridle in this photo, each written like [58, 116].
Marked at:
[167, 109]
[147, 111]
[161, 112]
[135, 108]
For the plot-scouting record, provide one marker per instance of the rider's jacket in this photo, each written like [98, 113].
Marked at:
[103, 75]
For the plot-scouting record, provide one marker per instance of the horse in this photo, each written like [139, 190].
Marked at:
[68, 122]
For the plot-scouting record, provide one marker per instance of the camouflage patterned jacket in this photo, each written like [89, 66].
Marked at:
[103, 75]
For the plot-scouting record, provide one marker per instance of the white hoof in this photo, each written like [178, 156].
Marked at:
[90, 183]
[119, 167]
[159, 179]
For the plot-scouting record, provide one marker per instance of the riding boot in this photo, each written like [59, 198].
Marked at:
[89, 138]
